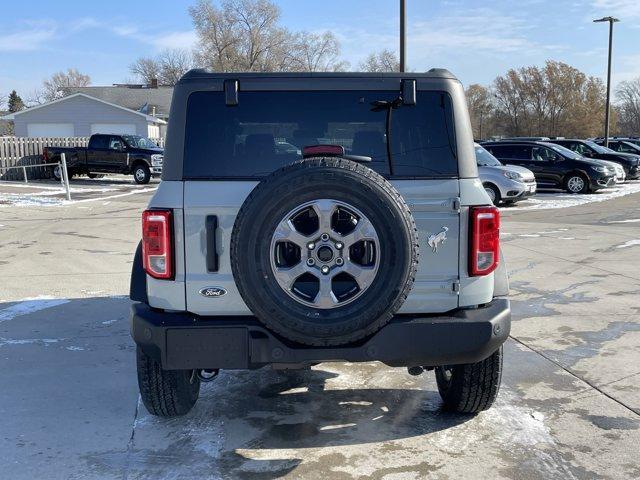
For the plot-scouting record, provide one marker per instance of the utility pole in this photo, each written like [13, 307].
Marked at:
[611, 21]
[403, 35]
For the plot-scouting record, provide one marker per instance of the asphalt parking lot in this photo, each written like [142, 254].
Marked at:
[569, 405]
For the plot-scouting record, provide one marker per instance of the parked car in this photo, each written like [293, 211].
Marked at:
[634, 140]
[629, 163]
[127, 154]
[502, 183]
[253, 256]
[554, 166]
[622, 146]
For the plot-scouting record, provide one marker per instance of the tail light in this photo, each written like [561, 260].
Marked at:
[45, 154]
[157, 243]
[484, 251]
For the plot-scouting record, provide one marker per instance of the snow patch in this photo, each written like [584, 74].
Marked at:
[544, 201]
[110, 322]
[73, 348]
[630, 243]
[631, 220]
[30, 305]
[29, 341]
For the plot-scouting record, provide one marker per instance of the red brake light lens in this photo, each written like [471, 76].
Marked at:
[484, 251]
[157, 245]
[319, 150]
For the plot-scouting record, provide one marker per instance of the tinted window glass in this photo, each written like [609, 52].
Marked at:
[485, 159]
[515, 152]
[99, 141]
[268, 130]
[543, 154]
[115, 143]
[628, 148]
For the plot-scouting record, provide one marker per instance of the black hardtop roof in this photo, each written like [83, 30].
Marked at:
[201, 74]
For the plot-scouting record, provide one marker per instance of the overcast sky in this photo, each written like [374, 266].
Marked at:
[476, 40]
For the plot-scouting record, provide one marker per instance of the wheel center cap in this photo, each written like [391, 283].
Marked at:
[325, 254]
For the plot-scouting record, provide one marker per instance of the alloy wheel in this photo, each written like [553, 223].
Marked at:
[325, 253]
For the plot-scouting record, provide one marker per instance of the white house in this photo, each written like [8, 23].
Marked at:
[81, 115]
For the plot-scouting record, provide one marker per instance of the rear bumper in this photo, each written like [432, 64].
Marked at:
[518, 190]
[185, 341]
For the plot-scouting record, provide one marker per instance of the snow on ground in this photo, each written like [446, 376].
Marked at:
[30, 305]
[544, 200]
[52, 195]
[630, 243]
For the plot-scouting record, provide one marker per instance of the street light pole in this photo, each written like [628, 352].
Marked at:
[611, 21]
[403, 35]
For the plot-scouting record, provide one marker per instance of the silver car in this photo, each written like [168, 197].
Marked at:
[503, 183]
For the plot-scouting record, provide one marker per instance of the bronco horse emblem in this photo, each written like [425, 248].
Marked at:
[437, 239]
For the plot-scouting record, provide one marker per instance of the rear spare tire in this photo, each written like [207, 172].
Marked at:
[324, 251]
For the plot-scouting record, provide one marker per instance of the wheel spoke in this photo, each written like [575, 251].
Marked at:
[362, 275]
[324, 210]
[363, 231]
[325, 297]
[288, 276]
[286, 232]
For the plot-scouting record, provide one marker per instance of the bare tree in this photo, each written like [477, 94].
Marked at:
[246, 35]
[56, 86]
[628, 99]
[557, 99]
[510, 103]
[241, 35]
[481, 109]
[317, 52]
[173, 65]
[145, 69]
[3, 101]
[167, 68]
[382, 61]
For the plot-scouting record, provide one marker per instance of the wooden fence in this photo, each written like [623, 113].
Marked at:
[28, 151]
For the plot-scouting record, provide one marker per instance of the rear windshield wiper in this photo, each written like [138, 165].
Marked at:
[380, 106]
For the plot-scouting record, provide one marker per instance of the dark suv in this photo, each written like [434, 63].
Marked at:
[554, 166]
[622, 145]
[590, 149]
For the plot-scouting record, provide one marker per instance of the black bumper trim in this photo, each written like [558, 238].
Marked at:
[186, 341]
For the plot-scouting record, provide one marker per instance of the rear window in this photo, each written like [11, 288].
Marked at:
[268, 130]
[99, 141]
[521, 152]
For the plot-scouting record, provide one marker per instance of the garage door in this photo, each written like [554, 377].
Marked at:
[118, 128]
[50, 130]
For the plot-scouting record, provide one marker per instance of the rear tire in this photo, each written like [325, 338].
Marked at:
[141, 174]
[56, 172]
[470, 388]
[166, 393]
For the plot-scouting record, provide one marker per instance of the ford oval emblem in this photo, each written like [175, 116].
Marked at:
[213, 292]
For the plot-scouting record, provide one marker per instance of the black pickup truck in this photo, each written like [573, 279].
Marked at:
[128, 154]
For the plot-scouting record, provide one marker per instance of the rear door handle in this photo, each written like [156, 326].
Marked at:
[212, 247]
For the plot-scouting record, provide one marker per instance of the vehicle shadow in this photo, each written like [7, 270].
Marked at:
[249, 414]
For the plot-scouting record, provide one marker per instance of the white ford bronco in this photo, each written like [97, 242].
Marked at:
[307, 218]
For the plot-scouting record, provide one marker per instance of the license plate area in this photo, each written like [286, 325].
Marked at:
[191, 348]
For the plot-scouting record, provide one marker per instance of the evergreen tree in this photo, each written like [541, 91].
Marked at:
[15, 102]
